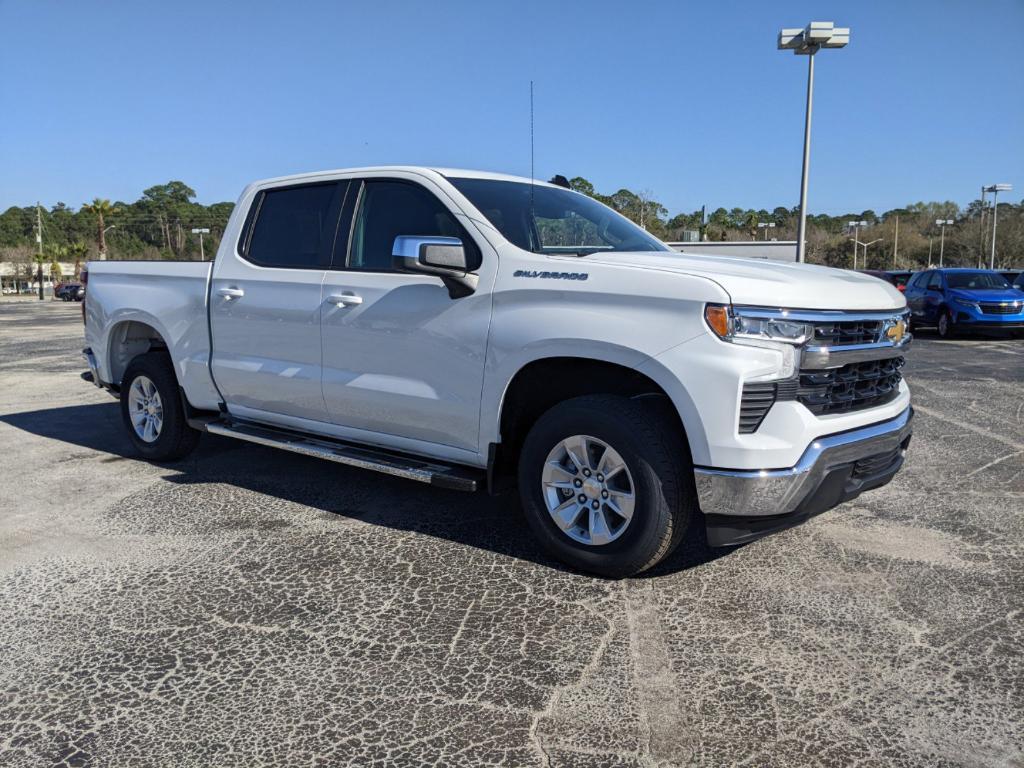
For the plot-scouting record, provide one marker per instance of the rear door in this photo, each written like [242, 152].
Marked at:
[914, 293]
[934, 298]
[403, 361]
[265, 304]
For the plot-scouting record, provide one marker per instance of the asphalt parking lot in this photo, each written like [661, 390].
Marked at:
[248, 606]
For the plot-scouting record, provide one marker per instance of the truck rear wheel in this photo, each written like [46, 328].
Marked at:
[152, 410]
[606, 484]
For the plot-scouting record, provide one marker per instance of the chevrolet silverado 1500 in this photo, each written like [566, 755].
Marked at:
[466, 329]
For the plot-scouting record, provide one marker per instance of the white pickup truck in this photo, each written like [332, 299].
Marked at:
[470, 329]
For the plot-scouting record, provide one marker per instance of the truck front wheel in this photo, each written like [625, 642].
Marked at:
[606, 484]
[152, 410]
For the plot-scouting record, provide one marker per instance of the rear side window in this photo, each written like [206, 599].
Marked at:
[294, 227]
[936, 282]
[389, 209]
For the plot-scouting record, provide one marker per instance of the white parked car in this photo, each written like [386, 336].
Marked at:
[470, 329]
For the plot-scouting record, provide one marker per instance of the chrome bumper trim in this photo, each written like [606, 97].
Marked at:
[766, 492]
[90, 360]
[819, 357]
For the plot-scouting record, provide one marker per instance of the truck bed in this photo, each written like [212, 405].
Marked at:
[125, 298]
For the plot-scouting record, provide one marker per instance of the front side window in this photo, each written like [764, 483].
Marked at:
[390, 209]
[294, 227]
[977, 280]
[545, 219]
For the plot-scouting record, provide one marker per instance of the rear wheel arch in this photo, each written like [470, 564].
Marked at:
[127, 340]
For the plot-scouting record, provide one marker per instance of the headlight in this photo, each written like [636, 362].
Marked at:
[966, 303]
[731, 324]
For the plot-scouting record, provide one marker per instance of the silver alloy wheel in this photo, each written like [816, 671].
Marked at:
[145, 408]
[588, 490]
[943, 324]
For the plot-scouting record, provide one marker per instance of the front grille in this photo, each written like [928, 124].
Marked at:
[853, 387]
[754, 406]
[841, 333]
[872, 465]
[1008, 308]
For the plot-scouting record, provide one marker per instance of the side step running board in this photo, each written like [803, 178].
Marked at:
[411, 468]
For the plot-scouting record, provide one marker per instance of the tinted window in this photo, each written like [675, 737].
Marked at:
[935, 283]
[294, 227]
[389, 209]
[976, 280]
[547, 219]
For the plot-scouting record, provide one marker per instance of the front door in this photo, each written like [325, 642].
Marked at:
[403, 362]
[265, 304]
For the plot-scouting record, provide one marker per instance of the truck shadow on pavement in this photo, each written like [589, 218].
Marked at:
[495, 524]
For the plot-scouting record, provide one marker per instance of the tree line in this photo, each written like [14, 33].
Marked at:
[158, 226]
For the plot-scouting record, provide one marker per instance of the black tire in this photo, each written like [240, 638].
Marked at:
[949, 330]
[658, 459]
[176, 438]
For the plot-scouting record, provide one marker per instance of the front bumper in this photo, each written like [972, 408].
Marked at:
[974, 318]
[741, 505]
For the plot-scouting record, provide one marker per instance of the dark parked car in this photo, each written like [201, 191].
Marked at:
[954, 300]
[69, 291]
[898, 278]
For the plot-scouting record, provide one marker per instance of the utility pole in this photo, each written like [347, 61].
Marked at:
[39, 241]
[896, 242]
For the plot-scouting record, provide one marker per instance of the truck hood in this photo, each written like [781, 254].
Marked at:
[769, 283]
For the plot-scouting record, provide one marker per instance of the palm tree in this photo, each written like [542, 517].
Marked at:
[78, 251]
[100, 208]
[57, 252]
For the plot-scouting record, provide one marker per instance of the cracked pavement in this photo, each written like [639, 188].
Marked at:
[248, 606]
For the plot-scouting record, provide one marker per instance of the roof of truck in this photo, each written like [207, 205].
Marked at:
[446, 172]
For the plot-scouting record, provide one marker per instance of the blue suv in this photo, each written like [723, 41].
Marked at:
[955, 300]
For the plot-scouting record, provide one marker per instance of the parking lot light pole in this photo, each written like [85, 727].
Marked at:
[995, 189]
[201, 231]
[807, 42]
[766, 225]
[942, 224]
[855, 226]
[866, 250]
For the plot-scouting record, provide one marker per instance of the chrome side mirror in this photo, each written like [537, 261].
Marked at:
[444, 257]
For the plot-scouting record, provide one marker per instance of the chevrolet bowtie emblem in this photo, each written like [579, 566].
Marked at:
[895, 331]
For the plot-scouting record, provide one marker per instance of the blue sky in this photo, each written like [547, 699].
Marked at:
[689, 100]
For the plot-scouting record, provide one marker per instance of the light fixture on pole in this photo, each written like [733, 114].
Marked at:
[942, 224]
[807, 42]
[201, 231]
[866, 250]
[995, 189]
[766, 225]
[855, 226]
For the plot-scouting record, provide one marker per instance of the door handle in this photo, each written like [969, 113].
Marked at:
[346, 299]
[231, 293]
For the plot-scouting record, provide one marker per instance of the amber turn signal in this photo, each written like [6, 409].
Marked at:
[718, 319]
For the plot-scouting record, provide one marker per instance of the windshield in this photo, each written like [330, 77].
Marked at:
[976, 280]
[547, 220]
